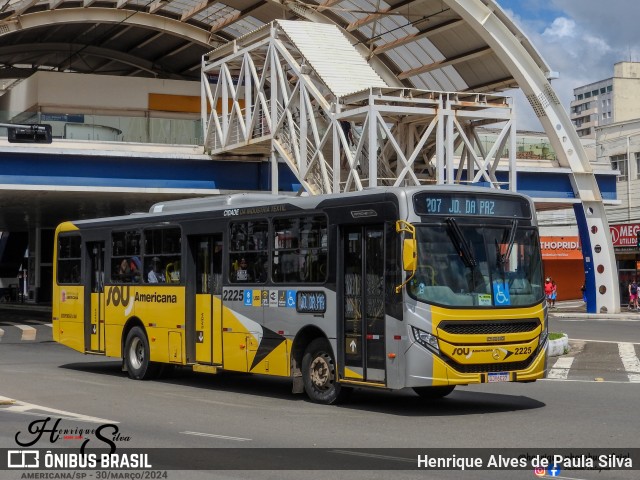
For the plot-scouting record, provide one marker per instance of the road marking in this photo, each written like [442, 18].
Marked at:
[560, 369]
[28, 333]
[625, 382]
[373, 455]
[222, 437]
[630, 361]
[24, 408]
[50, 325]
[600, 341]
[1, 334]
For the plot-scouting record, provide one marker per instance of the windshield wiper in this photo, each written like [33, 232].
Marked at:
[462, 247]
[503, 258]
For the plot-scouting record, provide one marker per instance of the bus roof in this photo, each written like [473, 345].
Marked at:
[222, 202]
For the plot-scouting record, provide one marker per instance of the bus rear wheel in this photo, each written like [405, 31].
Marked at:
[136, 356]
[434, 392]
[319, 373]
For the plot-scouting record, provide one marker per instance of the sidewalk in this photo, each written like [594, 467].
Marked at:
[41, 310]
[577, 309]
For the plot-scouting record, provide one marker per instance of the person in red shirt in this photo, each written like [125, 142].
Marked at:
[548, 291]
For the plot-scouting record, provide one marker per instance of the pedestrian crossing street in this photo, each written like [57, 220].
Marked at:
[598, 361]
[24, 331]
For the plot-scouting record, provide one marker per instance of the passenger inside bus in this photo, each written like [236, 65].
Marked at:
[173, 272]
[242, 273]
[123, 273]
[135, 267]
[156, 275]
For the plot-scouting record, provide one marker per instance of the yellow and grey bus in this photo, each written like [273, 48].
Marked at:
[390, 288]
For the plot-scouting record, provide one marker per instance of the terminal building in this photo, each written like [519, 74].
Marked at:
[164, 100]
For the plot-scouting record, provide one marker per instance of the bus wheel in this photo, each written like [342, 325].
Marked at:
[434, 392]
[319, 373]
[136, 356]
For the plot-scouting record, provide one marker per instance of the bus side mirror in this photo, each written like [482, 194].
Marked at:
[409, 255]
[409, 250]
[30, 133]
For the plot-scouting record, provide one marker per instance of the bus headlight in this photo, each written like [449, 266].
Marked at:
[426, 339]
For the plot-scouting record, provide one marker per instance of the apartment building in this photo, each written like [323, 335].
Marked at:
[613, 100]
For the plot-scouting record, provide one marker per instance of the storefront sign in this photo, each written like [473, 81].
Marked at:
[624, 235]
[561, 248]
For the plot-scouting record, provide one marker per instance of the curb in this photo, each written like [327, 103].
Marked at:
[558, 347]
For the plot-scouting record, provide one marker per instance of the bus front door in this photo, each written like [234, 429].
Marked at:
[207, 304]
[94, 327]
[363, 320]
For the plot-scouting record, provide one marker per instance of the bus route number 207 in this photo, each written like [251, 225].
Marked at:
[232, 295]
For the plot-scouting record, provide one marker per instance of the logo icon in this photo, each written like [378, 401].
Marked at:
[539, 472]
[553, 471]
[23, 459]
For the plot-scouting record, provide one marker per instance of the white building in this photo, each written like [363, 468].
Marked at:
[613, 100]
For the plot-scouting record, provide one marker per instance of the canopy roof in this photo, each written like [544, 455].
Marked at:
[424, 44]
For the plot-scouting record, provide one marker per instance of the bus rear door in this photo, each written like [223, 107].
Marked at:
[206, 302]
[94, 330]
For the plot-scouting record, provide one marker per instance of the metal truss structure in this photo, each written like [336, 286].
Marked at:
[268, 93]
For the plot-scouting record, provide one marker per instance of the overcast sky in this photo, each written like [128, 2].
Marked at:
[580, 39]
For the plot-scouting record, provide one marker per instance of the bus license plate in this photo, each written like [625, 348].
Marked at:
[498, 377]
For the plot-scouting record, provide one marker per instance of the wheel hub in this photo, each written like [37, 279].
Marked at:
[136, 353]
[321, 373]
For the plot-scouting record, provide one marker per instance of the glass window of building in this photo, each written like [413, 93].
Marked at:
[609, 88]
[637, 155]
[619, 162]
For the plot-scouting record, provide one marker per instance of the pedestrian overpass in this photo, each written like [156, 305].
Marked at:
[299, 92]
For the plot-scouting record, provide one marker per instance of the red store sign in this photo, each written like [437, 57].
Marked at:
[624, 235]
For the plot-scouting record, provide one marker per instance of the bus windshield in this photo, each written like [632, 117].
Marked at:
[472, 265]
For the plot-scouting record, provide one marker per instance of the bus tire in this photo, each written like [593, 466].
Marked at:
[434, 393]
[136, 356]
[319, 373]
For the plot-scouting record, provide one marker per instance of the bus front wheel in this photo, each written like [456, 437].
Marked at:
[434, 392]
[136, 356]
[319, 373]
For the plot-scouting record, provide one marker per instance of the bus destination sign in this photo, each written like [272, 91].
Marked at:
[477, 205]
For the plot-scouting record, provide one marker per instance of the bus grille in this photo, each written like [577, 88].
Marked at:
[462, 327]
[491, 367]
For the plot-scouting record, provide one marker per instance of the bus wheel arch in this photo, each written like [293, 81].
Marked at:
[300, 343]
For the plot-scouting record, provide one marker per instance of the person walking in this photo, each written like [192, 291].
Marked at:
[548, 289]
[554, 293]
[633, 295]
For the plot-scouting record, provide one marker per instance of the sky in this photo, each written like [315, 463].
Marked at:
[579, 39]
